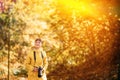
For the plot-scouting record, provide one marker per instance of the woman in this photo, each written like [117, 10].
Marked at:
[36, 60]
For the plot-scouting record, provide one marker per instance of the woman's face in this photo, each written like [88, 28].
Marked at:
[38, 44]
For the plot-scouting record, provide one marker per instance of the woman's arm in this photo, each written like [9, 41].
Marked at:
[45, 61]
[28, 64]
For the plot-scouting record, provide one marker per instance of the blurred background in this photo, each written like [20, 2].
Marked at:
[80, 37]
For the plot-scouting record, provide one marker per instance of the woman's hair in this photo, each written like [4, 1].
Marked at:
[38, 39]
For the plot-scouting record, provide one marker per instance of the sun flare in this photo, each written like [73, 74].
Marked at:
[84, 8]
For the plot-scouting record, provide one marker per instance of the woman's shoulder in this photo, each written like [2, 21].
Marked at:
[29, 51]
[43, 52]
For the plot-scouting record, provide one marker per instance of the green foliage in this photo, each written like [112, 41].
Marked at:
[21, 72]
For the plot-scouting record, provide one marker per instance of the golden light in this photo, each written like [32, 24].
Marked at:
[83, 8]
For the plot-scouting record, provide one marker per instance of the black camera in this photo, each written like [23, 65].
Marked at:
[40, 72]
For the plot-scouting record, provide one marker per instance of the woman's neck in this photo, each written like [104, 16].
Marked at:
[36, 48]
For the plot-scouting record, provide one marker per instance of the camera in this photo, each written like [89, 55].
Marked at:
[40, 72]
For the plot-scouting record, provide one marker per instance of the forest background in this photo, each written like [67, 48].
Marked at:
[80, 37]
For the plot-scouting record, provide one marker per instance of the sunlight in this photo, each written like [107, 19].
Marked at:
[83, 7]
[80, 38]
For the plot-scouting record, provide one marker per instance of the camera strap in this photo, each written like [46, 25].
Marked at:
[34, 56]
[40, 56]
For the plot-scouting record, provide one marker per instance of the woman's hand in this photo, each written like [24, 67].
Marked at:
[35, 69]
